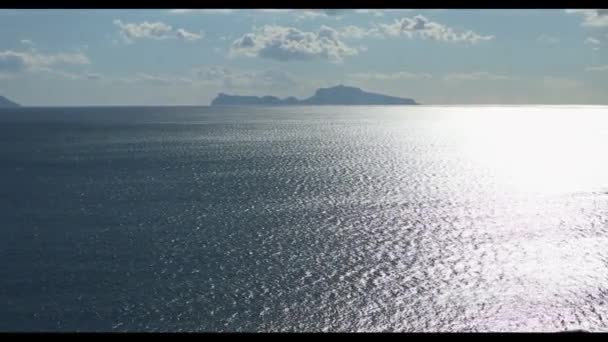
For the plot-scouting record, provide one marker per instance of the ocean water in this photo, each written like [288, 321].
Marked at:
[304, 219]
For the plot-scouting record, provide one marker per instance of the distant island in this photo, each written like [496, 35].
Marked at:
[338, 95]
[6, 103]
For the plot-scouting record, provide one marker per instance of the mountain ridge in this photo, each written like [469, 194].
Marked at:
[6, 103]
[337, 95]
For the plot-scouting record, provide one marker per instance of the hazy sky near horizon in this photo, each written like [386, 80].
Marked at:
[186, 57]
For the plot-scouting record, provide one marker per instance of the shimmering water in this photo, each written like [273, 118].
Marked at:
[304, 219]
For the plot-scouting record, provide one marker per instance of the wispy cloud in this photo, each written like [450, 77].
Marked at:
[597, 68]
[155, 79]
[561, 83]
[153, 30]
[374, 12]
[287, 43]
[547, 39]
[421, 27]
[477, 76]
[352, 31]
[592, 17]
[229, 78]
[93, 76]
[595, 43]
[202, 11]
[15, 61]
[391, 76]
[190, 36]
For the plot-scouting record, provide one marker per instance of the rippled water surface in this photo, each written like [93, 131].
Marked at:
[304, 219]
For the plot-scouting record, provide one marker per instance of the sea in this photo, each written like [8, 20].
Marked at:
[304, 219]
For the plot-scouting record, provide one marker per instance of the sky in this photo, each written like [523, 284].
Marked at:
[186, 57]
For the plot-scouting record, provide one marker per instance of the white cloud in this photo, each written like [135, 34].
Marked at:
[592, 41]
[420, 26]
[287, 43]
[597, 68]
[477, 76]
[374, 12]
[305, 13]
[27, 42]
[301, 13]
[155, 79]
[189, 36]
[275, 10]
[391, 76]
[546, 39]
[153, 30]
[342, 11]
[312, 13]
[592, 17]
[332, 11]
[14, 61]
[352, 31]
[382, 12]
[229, 78]
[202, 11]
[62, 74]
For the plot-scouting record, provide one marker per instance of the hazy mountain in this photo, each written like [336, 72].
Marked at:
[4, 102]
[338, 95]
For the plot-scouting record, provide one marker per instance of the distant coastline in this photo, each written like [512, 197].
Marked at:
[338, 95]
[6, 103]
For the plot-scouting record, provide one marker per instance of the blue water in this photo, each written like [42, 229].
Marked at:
[304, 219]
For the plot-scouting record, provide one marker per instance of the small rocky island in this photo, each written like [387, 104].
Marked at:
[6, 103]
[338, 95]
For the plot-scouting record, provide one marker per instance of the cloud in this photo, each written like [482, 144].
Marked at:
[27, 42]
[229, 78]
[561, 83]
[357, 32]
[93, 76]
[546, 39]
[287, 43]
[374, 12]
[153, 30]
[391, 76]
[312, 13]
[332, 11]
[150, 79]
[62, 74]
[302, 13]
[478, 76]
[13, 61]
[202, 11]
[592, 17]
[420, 26]
[597, 68]
[213, 73]
[189, 36]
[305, 13]
[592, 41]
[381, 12]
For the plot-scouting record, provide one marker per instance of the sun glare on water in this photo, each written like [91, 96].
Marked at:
[540, 150]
